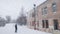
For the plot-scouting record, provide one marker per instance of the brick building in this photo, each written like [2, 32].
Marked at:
[47, 18]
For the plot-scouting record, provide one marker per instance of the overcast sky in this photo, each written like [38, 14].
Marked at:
[13, 7]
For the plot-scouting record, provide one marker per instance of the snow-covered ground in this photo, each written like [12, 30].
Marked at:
[10, 29]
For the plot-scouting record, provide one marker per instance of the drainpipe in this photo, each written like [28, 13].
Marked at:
[35, 16]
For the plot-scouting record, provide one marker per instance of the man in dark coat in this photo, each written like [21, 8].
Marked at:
[16, 28]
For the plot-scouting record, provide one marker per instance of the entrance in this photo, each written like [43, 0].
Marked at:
[55, 24]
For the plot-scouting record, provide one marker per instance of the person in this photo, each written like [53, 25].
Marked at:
[15, 28]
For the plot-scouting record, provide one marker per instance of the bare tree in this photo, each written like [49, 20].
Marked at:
[2, 21]
[8, 19]
[22, 18]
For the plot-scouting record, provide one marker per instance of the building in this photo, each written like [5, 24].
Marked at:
[47, 18]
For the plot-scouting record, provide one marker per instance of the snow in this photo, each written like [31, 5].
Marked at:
[10, 29]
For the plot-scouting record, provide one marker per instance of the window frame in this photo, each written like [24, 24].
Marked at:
[44, 11]
[45, 24]
[54, 7]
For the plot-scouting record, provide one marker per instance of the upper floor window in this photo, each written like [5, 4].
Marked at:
[54, 7]
[33, 14]
[44, 11]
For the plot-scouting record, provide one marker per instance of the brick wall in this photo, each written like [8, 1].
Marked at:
[50, 16]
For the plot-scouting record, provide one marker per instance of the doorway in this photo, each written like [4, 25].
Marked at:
[55, 24]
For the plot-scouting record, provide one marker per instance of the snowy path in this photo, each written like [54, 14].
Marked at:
[9, 29]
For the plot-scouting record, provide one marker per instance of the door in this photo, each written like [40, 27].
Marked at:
[55, 24]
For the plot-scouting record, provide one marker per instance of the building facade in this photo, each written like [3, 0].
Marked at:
[47, 18]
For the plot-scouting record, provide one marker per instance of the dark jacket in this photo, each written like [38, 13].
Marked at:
[16, 26]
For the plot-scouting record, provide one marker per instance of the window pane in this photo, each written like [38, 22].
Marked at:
[54, 7]
[43, 23]
[47, 24]
[44, 11]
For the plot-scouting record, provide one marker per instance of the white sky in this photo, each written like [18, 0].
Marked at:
[13, 7]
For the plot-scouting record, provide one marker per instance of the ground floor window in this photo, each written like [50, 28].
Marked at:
[37, 23]
[33, 23]
[45, 24]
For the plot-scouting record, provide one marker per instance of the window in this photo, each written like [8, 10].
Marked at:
[38, 23]
[54, 7]
[33, 14]
[45, 24]
[33, 23]
[44, 11]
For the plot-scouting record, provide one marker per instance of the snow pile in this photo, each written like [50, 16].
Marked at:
[10, 29]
